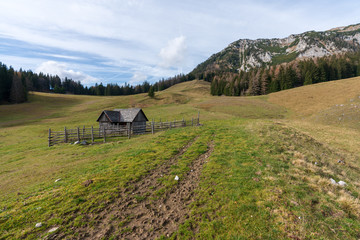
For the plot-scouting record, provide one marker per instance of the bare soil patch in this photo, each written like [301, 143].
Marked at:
[138, 213]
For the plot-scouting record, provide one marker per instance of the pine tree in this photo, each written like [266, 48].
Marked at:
[151, 92]
[308, 78]
[17, 92]
[213, 88]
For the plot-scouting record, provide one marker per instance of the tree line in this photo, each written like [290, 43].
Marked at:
[260, 81]
[12, 85]
[15, 85]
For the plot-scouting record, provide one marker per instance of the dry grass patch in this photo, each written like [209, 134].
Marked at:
[349, 204]
[311, 99]
[245, 107]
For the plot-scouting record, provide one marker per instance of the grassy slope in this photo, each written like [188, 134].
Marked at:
[261, 181]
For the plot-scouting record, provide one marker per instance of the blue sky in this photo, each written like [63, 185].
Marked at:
[118, 41]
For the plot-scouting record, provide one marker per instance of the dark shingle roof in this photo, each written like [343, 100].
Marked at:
[122, 115]
[129, 114]
[113, 116]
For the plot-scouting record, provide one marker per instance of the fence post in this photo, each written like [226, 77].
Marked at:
[78, 134]
[49, 137]
[198, 120]
[183, 123]
[65, 137]
[83, 132]
[152, 127]
[92, 134]
[104, 135]
[129, 130]
[170, 124]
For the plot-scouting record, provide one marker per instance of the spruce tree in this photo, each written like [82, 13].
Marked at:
[151, 92]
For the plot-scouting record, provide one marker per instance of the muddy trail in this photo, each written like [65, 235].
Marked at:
[139, 214]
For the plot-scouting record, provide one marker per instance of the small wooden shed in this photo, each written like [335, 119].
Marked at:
[120, 118]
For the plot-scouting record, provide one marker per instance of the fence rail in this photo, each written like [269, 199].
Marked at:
[91, 133]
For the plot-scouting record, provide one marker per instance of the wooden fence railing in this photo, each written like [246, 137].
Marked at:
[91, 133]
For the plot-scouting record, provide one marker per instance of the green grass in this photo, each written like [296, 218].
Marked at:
[260, 182]
[283, 58]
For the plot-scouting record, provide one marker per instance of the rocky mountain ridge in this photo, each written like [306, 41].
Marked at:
[245, 54]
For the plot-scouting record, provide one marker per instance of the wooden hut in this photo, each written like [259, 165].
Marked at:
[122, 118]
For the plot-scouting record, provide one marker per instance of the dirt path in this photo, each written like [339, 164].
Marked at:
[137, 214]
[163, 216]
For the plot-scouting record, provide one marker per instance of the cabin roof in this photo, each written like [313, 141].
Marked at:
[122, 115]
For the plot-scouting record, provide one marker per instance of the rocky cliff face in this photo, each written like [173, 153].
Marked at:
[245, 54]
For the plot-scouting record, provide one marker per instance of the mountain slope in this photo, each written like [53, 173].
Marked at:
[245, 54]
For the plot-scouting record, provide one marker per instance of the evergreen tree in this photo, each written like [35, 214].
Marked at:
[308, 78]
[17, 91]
[214, 87]
[151, 92]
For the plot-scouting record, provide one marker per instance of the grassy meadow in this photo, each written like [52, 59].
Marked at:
[265, 173]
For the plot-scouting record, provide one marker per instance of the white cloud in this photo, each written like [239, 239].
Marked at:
[61, 56]
[137, 78]
[62, 70]
[174, 53]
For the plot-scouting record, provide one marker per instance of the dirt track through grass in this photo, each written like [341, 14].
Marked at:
[143, 211]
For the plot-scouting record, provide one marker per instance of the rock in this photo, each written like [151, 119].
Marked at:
[333, 181]
[341, 161]
[342, 183]
[38, 224]
[316, 163]
[77, 142]
[53, 229]
[88, 182]
[176, 178]
[83, 142]
[57, 180]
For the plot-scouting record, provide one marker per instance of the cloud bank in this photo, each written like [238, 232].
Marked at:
[173, 54]
[62, 70]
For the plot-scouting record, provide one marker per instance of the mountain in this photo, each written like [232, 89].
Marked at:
[246, 54]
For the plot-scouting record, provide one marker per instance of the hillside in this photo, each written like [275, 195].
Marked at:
[258, 168]
[245, 54]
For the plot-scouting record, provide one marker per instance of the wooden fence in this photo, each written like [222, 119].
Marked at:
[91, 133]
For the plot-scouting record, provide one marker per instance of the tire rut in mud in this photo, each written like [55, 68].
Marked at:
[132, 218]
[163, 216]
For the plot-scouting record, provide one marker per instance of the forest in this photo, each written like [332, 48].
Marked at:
[260, 81]
[15, 85]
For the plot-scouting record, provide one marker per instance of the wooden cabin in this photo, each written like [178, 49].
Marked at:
[121, 118]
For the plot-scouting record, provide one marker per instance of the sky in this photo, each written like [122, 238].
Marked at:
[132, 41]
